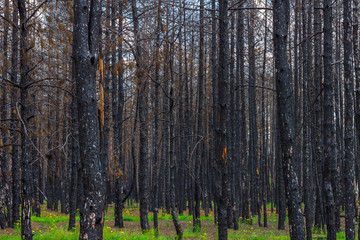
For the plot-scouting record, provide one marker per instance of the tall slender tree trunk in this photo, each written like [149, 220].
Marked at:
[156, 145]
[263, 127]
[5, 202]
[357, 68]
[329, 126]
[281, 15]
[317, 139]
[173, 170]
[230, 126]
[244, 149]
[199, 149]
[221, 158]
[74, 162]
[349, 161]
[253, 134]
[143, 155]
[120, 187]
[26, 232]
[86, 58]
[307, 166]
[15, 152]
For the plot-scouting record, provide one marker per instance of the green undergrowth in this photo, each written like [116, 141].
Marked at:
[162, 216]
[257, 235]
[53, 226]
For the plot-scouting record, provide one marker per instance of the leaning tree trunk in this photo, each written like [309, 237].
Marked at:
[281, 11]
[86, 57]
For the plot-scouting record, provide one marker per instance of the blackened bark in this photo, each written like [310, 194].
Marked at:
[173, 171]
[221, 158]
[120, 185]
[143, 158]
[297, 78]
[155, 177]
[230, 126]
[357, 68]
[182, 146]
[36, 171]
[199, 140]
[244, 153]
[253, 134]
[50, 191]
[280, 185]
[104, 123]
[349, 195]
[339, 109]
[264, 132]
[56, 184]
[26, 232]
[63, 167]
[329, 125]
[237, 124]
[85, 57]
[74, 162]
[214, 69]
[5, 219]
[15, 152]
[317, 134]
[213, 75]
[307, 158]
[281, 14]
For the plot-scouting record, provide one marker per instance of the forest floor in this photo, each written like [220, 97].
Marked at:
[53, 226]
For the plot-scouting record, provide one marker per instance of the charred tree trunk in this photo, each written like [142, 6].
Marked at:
[221, 159]
[118, 106]
[15, 152]
[329, 126]
[281, 14]
[307, 158]
[26, 232]
[86, 58]
[199, 140]
[253, 134]
[143, 155]
[349, 195]
[5, 198]
[317, 118]
[357, 69]
[74, 163]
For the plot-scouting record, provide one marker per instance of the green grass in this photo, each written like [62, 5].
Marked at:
[110, 234]
[257, 235]
[53, 225]
[164, 216]
[52, 220]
